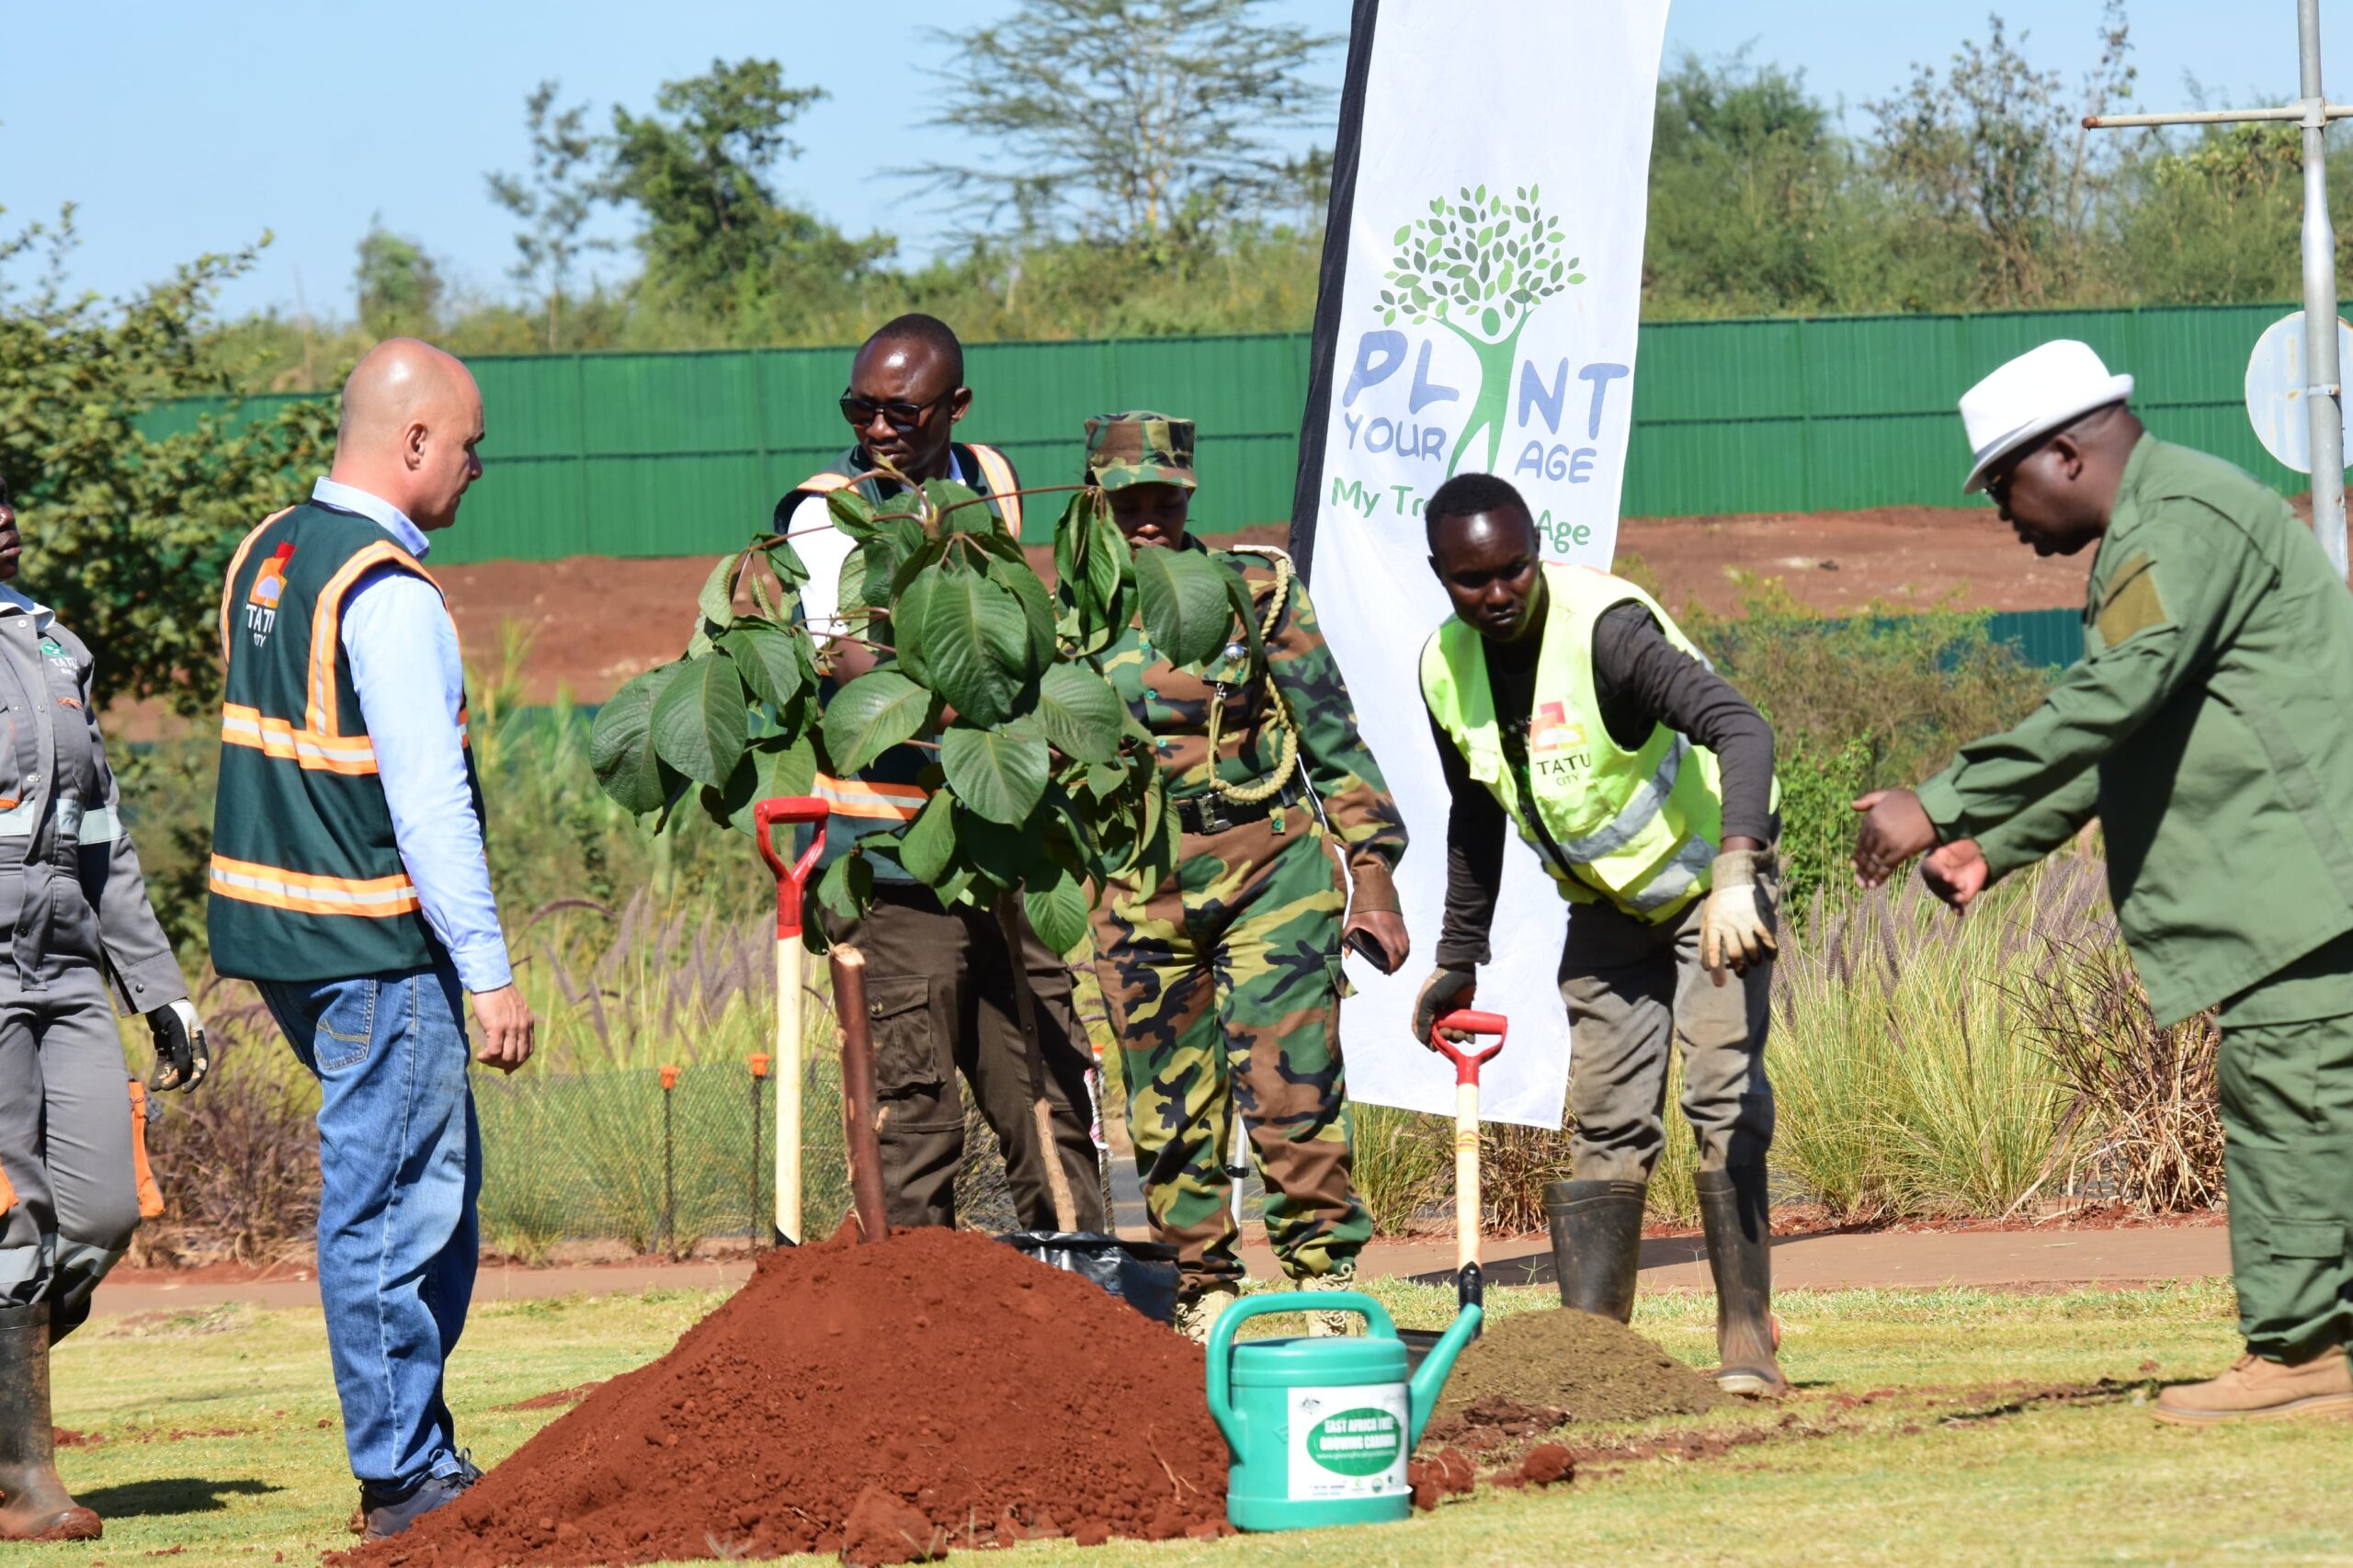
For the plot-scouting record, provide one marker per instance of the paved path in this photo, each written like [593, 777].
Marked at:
[2010, 1258]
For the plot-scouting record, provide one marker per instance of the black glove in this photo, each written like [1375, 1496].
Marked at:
[1443, 992]
[182, 1058]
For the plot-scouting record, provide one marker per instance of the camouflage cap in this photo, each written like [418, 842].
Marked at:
[1138, 449]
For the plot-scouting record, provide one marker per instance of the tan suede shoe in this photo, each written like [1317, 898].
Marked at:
[2258, 1390]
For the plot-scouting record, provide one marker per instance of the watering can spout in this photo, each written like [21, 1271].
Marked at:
[1422, 1389]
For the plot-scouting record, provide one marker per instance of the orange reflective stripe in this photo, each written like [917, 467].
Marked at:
[151, 1197]
[820, 484]
[236, 564]
[306, 894]
[242, 726]
[997, 474]
[326, 624]
[7, 1193]
[875, 802]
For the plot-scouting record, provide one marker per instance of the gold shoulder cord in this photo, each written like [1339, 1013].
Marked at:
[1278, 710]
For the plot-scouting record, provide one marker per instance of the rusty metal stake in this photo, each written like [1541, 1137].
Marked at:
[864, 1147]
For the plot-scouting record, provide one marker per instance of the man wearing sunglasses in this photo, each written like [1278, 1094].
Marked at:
[939, 981]
[2206, 727]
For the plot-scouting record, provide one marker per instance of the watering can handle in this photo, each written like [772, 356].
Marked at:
[1221, 1348]
[790, 878]
[1466, 1021]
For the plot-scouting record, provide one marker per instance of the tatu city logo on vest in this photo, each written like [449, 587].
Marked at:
[261, 605]
[1556, 741]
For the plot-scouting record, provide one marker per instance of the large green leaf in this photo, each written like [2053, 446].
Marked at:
[767, 659]
[1079, 712]
[620, 750]
[698, 721]
[929, 842]
[907, 613]
[1056, 906]
[975, 646]
[848, 886]
[851, 513]
[717, 600]
[999, 774]
[1037, 610]
[1186, 613]
[870, 715]
[786, 562]
[786, 766]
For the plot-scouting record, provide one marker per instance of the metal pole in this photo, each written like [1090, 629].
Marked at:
[2324, 395]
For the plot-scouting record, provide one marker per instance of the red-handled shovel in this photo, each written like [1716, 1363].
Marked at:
[790, 880]
[1471, 1283]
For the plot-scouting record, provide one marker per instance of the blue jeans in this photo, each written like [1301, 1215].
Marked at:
[400, 1160]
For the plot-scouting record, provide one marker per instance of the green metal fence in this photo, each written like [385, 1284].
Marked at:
[681, 454]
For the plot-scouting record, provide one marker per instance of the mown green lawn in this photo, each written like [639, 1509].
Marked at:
[217, 1436]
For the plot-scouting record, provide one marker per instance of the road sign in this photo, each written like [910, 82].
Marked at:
[2274, 390]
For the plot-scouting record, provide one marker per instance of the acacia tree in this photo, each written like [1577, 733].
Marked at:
[554, 201]
[1042, 781]
[1136, 117]
[1478, 266]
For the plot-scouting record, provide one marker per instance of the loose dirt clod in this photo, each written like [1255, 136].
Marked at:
[1449, 1472]
[938, 1371]
[1587, 1368]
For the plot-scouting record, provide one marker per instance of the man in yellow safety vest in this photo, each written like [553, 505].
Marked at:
[1565, 701]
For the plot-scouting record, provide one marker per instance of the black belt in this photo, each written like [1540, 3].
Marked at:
[1215, 814]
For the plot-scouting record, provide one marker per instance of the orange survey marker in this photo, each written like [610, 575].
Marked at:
[151, 1197]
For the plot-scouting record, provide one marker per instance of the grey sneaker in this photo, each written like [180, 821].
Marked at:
[392, 1509]
[1197, 1312]
[1333, 1324]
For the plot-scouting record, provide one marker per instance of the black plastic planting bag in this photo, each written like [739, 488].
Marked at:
[1142, 1274]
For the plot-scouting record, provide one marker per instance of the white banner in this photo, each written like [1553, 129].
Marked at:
[1486, 322]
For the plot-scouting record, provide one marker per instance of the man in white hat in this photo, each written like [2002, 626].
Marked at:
[2207, 727]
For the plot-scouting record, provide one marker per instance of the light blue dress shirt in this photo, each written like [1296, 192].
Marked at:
[403, 652]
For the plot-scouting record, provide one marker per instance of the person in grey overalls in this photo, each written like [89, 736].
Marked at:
[76, 922]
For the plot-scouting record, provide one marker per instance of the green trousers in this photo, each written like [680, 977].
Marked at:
[1224, 986]
[2287, 1101]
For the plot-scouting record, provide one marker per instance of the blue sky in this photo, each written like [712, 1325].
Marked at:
[180, 127]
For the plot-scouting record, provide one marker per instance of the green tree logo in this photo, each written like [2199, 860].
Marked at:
[1479, 266]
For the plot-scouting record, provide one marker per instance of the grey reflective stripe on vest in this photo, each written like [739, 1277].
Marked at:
[1674, 878]
[1649, 798]
[99, 824]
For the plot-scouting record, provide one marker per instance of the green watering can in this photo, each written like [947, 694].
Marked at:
[1320, 1429]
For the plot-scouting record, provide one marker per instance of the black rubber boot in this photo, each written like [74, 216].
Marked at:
[1733, 1212]
[1596, 1244]
[34, 1504]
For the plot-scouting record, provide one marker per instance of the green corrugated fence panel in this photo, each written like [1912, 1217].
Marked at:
[660, 454]
[2042, 637]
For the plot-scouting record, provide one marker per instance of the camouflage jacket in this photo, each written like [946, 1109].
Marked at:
[1173, 704]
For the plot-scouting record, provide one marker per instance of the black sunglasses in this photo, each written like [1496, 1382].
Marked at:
[860, 410]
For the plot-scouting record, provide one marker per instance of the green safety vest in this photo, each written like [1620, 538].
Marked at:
[307, 881]
[1638, 829]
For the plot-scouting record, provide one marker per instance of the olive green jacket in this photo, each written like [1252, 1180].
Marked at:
[2210, 727]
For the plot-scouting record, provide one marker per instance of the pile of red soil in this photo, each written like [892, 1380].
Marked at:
[950, 1390]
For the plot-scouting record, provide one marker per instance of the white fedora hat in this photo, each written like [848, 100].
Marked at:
[2032, 395]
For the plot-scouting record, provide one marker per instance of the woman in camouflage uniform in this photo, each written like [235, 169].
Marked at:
[1224, 982]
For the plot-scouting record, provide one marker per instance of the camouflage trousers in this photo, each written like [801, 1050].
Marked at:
[1224, 986]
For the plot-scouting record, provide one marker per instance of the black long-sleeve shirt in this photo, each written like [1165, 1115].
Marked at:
[1641, 680]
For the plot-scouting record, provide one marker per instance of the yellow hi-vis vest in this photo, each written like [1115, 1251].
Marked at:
[1638, 829]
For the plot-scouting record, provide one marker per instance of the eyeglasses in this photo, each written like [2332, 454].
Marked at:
[860, 410]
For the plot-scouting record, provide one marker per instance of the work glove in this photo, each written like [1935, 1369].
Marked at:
[1446, 990]
[1736, 922]
[182, 1057]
